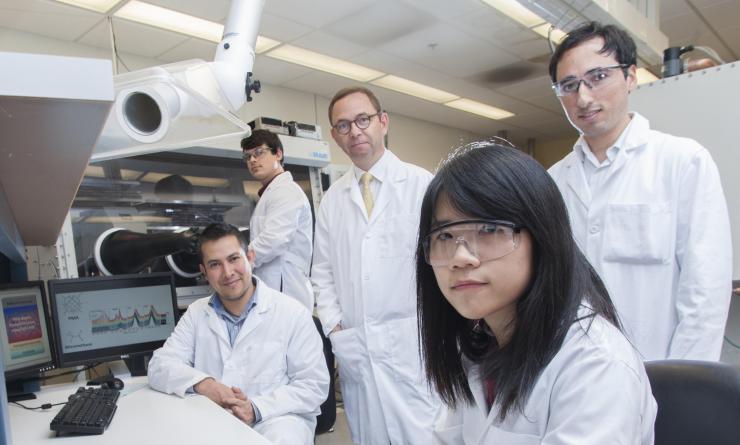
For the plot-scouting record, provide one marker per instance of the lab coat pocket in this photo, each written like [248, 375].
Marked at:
[448, 436]
[510, 438]
[264, 366]
[638, 233]
[397, 236]
[350, 354]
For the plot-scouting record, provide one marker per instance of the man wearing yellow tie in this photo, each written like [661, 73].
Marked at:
[363, 278]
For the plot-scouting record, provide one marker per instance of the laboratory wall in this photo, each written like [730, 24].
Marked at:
[548, 152]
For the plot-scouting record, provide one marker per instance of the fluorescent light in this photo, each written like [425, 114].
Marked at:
[93, 5]
[480, 109]
[645, 76]
[516, 11]
[264, 44]
[168, 19]
[321, 62]
[412, 88]
[556, 35]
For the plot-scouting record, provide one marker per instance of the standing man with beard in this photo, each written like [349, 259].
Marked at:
[363, 274]
[647, 208]
[281, 227]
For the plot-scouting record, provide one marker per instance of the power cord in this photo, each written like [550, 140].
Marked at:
[44, 406]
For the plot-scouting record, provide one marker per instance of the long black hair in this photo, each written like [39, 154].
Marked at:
[492, 181]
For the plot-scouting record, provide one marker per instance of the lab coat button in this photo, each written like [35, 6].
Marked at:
[366, 277]
[594, 229]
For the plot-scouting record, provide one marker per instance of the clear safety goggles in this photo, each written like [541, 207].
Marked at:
[594, 79]
[485, 239]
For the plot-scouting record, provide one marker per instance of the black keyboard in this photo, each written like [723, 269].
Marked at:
[88, 411]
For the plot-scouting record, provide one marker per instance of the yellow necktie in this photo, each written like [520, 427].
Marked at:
[367, 194]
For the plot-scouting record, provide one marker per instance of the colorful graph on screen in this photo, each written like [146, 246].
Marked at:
[102, 323]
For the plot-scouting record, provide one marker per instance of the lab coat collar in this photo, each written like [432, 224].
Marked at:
[633, 137]
[277, 180]
[254, 318]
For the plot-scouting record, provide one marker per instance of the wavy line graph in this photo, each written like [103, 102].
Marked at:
[103, 324]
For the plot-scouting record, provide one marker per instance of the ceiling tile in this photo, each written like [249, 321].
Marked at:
[277, 72]
[281, 29]
[213, 10]
[722, 15]
[329, 45]
[446, 9]
[539, 86]
[381, 23]
[191, 48]
[444, 48]
[323, 84]
[134, 38]
[47, 18]
[315, 13]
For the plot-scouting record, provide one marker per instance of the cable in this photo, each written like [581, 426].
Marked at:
[44, 406]
[733, 344]
[710, 52]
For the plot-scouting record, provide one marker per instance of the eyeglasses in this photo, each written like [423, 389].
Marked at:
[256, 153]
[362, 121]
[486, 240]
[594, 79]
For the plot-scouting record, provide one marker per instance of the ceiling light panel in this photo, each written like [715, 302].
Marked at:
[264, 44]
[92, 5]
[300, 56]
[168, 19]
[416, 89]
[516, 11]
[480, 109]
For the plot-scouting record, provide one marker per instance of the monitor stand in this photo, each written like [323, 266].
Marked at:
[22, 390]
[137, 364]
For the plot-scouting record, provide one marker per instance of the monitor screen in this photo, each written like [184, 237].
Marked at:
[24, 329]
[109, 318]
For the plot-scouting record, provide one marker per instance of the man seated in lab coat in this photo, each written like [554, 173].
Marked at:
[281, 227]
[647, 208]
[247, 347]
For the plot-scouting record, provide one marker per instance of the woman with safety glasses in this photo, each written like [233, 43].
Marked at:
[519, 336]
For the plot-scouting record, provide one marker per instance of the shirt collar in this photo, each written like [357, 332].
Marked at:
[585, 154]
[379, 170]
[218, 306]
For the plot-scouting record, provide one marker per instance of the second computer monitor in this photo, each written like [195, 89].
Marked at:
[110, 318]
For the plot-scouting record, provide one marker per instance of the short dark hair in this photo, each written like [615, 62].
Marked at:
[344, 92]
[616, 41]
[266, 137]
[490, 181]
[216, 231]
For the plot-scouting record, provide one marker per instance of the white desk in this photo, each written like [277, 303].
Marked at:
[143, 416]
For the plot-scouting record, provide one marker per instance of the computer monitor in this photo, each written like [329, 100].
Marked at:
[112, 318]
[25, 335]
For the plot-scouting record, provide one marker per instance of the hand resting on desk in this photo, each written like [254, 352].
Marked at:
[218, 392]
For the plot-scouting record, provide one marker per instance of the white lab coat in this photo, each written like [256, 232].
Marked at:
[281, 235]
[363, 274]
[658, 234]
[593, 392]
[277, 359]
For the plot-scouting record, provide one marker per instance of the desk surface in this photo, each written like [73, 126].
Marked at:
[143, 416]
